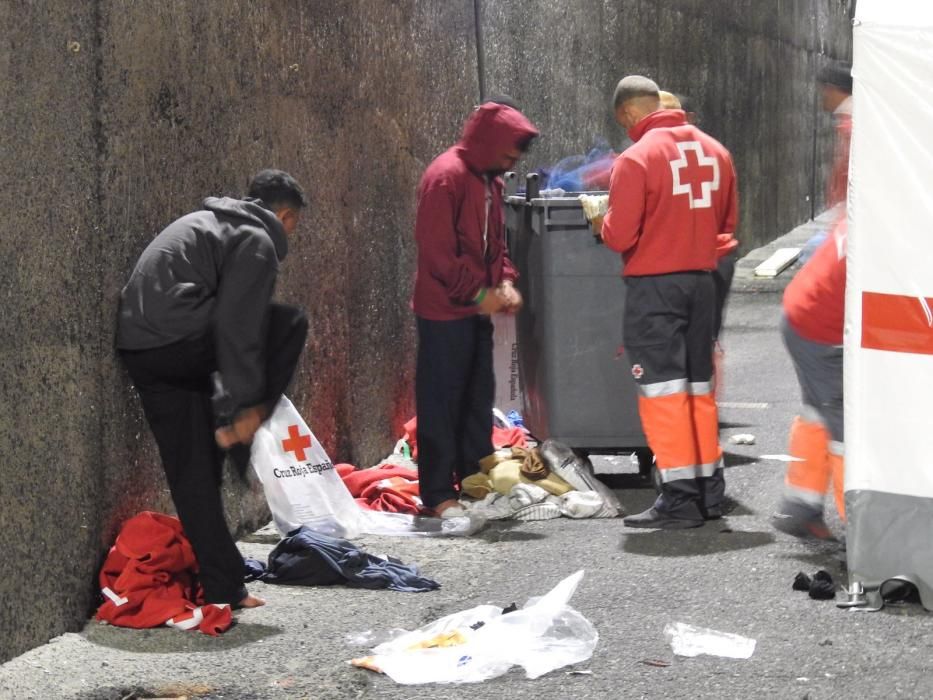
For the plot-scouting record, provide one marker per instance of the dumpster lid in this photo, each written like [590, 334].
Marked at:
[565, 198]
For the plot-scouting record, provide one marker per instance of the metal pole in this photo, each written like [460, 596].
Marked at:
[480, 62]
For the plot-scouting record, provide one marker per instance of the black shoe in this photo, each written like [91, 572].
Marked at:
[712, 513]
[654, 518]
[801, 521]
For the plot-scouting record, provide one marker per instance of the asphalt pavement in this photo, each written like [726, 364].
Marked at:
[732, 575]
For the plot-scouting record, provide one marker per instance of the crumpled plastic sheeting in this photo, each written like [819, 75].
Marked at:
[482, 643]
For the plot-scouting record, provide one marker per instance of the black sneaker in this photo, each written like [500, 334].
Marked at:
[712, 513]
[653, 518]
[801, 520]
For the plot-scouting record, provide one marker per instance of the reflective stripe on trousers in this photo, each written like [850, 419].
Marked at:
[681, 423]
[807, 481]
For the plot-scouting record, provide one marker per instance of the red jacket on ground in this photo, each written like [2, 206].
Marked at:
[814, 301]
[149, 579]
[673, 202]
[454, 261]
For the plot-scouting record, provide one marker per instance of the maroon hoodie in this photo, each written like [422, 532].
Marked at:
[454, 263]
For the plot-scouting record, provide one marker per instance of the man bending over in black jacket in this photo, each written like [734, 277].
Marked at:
[210, 354]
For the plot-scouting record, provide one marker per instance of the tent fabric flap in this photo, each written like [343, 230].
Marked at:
[889, 298]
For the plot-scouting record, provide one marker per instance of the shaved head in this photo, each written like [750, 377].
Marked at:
[636, 97]
[636, 87]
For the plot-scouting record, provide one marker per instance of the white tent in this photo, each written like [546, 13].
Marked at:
[889, 299]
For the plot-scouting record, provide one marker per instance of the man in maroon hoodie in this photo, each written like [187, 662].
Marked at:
[672, 197]
[463, 276]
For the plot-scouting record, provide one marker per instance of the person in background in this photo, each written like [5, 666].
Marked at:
[210, 354]
[463, 275]
[834, 82]
[814, 308]
[726, 246]
[668, 100]
[672, 193]
[686, 104]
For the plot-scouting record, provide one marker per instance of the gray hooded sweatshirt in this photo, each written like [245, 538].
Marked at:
[210, 272]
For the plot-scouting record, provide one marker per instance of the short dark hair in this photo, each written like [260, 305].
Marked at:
[632, 87]
[838, 75]
[277, 190]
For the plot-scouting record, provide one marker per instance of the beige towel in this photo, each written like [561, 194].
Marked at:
[506, 474]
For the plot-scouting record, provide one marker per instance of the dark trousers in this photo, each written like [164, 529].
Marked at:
[174, 385]
[722, 278]
[668, 335]
[454, 394]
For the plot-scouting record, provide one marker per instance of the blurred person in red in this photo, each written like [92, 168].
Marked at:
[814, 308]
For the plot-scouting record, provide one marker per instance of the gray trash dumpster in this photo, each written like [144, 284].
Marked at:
[576, 382]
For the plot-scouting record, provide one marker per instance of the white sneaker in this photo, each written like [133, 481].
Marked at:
[538, 511]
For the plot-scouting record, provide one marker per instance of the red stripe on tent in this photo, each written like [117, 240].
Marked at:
[897, 323]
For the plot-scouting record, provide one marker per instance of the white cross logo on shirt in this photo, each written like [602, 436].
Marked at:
[689, 171]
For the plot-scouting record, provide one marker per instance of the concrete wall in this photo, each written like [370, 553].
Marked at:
[155, 106]
[118, 116]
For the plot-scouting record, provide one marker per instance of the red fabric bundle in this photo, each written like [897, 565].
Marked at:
[149, 579]
[388, 487]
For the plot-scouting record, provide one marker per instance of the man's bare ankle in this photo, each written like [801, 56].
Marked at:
[251, 601]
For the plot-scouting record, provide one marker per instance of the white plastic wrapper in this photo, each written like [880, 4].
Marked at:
[594, 205]
[544, 635]
[374, 522]
[687, 640]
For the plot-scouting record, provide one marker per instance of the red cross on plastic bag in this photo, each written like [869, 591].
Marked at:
[296, 443]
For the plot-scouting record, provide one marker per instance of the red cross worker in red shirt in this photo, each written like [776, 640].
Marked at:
[672, 194]
[814, 309]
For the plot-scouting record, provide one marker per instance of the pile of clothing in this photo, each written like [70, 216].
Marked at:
[538, 483]
[150, 579]
[517, 481]
[391, 487]
[150, 576]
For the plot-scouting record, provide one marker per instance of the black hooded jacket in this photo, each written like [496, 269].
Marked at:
[213, 273]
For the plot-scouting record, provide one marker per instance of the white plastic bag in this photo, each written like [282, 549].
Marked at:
[543, 635]
[299, 480]
[375, 522]
[687, 640]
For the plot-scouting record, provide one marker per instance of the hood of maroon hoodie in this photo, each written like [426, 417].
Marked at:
[491, 130]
